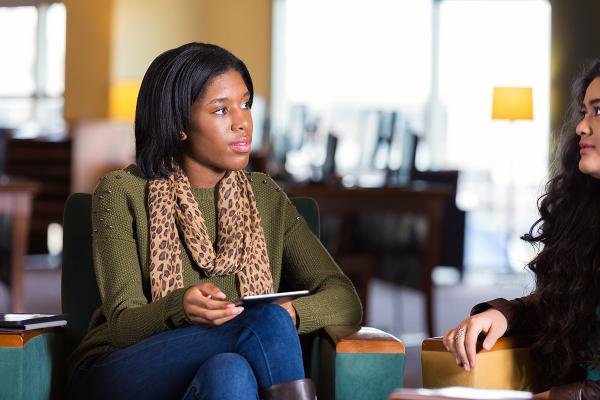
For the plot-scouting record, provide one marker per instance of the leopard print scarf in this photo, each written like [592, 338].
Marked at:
[240, 247]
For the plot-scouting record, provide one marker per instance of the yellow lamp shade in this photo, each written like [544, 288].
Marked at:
[123, 98]
[512, 103]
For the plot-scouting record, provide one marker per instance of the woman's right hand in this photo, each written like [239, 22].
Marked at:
[205, 304]
[461, 341]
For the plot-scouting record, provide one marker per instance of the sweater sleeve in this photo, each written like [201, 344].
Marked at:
[131, 317]
[586, 390]
[308, 265]
[517, 313]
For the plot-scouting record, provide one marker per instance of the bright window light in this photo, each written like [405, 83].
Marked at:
[32, 71]
[18, 55]
[337, 63]
[356, 52]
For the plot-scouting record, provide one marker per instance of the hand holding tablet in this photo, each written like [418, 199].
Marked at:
[270, 298]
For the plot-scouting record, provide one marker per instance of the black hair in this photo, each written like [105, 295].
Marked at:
[567, 269]
[172, 83]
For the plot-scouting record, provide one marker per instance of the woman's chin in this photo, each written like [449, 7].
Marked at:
[238, 166]
[591, 169]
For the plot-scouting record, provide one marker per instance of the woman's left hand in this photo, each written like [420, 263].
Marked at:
[542, 396]
[289, 307]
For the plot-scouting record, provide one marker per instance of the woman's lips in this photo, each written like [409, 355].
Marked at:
[243, 146]
[585, 148]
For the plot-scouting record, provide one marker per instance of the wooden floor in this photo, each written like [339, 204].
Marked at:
[392, 308]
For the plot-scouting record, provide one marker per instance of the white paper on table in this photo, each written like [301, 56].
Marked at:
[479, 394]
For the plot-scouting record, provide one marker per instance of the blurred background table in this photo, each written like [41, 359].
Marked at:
[427, 201]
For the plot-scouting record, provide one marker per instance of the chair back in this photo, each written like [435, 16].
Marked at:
[79, 290]
[308, 208]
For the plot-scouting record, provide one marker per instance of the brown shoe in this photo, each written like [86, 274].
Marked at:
[302, 389]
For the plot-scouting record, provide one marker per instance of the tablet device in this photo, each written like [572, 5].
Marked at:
[270, 298]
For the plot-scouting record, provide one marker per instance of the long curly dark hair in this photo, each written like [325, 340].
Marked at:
[567, 269]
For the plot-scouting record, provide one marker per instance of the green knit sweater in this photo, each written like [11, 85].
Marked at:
[122, 262]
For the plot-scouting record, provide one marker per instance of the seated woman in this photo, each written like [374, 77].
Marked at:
[181, 235]
[562, 313]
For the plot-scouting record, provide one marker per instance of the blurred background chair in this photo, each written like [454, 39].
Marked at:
[453, 230]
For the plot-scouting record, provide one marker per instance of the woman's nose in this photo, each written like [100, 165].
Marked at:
[240, 121]
[583, 127]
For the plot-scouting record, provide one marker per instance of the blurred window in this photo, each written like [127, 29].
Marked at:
[32, 47]
[337, 64]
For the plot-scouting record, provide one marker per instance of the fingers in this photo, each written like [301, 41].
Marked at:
[470, 345]
[492, 337]
[459, 346]
[211, 291]
[204, 304]
[448, 340]
[201, 315]
[450, 344]
[210, 304]
[461, 342]
[208, 296]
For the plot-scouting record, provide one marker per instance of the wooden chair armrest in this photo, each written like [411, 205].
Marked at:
[504, 343]
[32, 364]
[353, 362]
[20, 338]
[354, 339]
[507, 365]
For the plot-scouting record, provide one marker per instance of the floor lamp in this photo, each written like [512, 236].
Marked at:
[512, 104]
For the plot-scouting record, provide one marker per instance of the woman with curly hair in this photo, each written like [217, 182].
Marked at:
[562, 313]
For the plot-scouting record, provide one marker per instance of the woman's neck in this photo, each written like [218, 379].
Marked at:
[200, 176]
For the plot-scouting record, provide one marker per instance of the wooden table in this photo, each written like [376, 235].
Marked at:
[427, 201]
[15, 201]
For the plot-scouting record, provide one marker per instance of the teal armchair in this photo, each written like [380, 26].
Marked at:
[345, 362]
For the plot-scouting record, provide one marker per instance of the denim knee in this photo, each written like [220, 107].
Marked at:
[269, 341]
[273, 326]
[275, 316]
[224, 376]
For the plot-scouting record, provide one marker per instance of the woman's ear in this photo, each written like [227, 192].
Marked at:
[182, 136]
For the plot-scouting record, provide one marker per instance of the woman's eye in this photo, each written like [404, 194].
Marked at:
[596, 111]
[246, 105]
[221, 111]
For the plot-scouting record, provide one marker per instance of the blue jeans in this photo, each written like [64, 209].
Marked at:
[257, 349]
